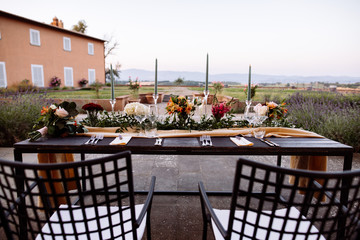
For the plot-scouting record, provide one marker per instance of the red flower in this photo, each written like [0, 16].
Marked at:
[92, 107]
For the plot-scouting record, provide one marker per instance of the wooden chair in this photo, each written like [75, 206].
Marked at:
[264, 205]
[103, 208]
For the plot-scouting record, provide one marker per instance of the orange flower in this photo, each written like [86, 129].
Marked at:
[44, 110]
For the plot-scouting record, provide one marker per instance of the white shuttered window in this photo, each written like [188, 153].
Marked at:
[34, 37]
[68, 75]
[37, 74]
[91, 76]
[3, 81]
[67, 44]
[90, 48]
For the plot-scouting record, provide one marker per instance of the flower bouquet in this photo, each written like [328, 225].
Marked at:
[182, 108]
[272, 111]
[92, 110]
[218, 86]
[220, 109]
[58, 120]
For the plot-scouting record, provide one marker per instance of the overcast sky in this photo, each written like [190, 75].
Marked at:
[281, 37]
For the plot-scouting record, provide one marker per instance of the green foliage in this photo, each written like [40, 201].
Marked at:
[18, 114]
[331, 115]
[80, 26]
[179, 81]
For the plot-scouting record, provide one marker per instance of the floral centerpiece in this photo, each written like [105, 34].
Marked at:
[136, 108]
[277, 111]
[252, 90]
[92, 110]
[272, 111]
[182, 108]
[83, 82]
[58, 120]
[55, 82]
[220, 109]
[134, 87]
[218, 86]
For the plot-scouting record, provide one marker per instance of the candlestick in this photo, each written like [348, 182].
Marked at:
[112, 83]
[156, 83]
[207, 73]
[112, 103]
[249, 85]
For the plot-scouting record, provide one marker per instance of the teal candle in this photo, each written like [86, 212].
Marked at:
[207, 73]
[112, 83]
[249, 85]
[156, 83]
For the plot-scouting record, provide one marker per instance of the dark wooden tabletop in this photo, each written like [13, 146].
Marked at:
[189, 145]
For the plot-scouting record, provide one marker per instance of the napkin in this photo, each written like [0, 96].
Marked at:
[123, 141]
[241, 141]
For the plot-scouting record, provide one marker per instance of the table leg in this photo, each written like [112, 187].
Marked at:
[19, 182]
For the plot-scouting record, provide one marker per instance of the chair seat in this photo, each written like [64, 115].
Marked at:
[223, 216]
[90, 213]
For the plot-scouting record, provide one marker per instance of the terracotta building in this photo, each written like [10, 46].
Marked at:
[39, 51]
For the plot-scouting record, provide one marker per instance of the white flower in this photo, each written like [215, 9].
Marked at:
[260, 109]
[136, 109]
[61, 113]
[53, 107]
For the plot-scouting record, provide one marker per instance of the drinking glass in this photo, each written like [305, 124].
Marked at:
[150, 129]
[140, 116]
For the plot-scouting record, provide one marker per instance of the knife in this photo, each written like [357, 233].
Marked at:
[271, 144]
[275, 144]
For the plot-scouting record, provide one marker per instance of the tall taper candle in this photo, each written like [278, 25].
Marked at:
[249, 85]
[112, 83]
[156, 83]
[207, 73]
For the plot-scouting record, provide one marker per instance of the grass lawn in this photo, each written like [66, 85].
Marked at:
[261, 93]
[104, 93]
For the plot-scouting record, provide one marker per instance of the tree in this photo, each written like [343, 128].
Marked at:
[179, 81]
[110, 45]
[80, 27]
[115, 71]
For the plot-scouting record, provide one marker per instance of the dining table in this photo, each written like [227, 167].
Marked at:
[221, 145]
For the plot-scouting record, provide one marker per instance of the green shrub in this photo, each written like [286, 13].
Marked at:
[18, 114]
[331, 115]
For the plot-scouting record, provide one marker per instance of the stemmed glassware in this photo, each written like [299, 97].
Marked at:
[140, 116]
[152, 117]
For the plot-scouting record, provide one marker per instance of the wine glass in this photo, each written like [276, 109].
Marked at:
[250, 115]
[152, 117]
[140, 115]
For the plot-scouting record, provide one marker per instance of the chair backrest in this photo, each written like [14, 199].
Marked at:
[88, 184]
[310, 195]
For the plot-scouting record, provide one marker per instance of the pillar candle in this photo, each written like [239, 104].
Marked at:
[249, 85]
[112, 83]
[156, 83]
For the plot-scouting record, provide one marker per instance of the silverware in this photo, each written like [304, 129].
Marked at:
[202, 140]
[275, 144]
[92, 138]
[97, 139]
[268, 143]
[208, 138]
[158, 142]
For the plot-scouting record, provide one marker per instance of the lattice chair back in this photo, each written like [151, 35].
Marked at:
[271, 202]
[91, 199]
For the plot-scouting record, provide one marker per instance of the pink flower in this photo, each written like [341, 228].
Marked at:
[61, 113]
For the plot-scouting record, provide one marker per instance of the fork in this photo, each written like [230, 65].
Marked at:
[208, 138]
[98, 138]
[203, 141]
[92, 138]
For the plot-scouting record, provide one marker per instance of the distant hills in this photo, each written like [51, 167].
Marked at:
[145, 75]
